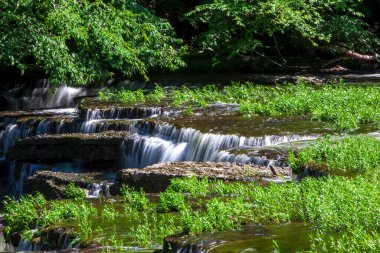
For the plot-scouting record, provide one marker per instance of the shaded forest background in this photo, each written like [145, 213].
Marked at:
[82, 42]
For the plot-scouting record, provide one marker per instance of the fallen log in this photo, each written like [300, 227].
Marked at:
[349, 54]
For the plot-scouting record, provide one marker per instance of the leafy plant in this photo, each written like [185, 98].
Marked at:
[109, 212]
[136, 200]
[171, 201]
[74, 192]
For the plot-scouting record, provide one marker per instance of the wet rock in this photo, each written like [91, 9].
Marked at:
[38, 114]
[95, 150]
[157, 177]
[52, 184]
[311, 170]
[91, 108]
[58, 238]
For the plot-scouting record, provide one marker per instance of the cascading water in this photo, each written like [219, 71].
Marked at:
[95, 190]
[167, 143]
[47, 97]
[150, 142]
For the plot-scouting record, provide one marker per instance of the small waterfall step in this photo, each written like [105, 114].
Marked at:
[156, 178]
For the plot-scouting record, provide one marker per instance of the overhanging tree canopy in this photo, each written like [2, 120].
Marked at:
[81, 41]
[239, 28]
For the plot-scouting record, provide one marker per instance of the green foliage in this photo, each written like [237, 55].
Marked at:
[122, 96]
[136, 200]
[171, 201]
[74, 192]
[156, 95]
[192, 185]
[243, 28]
[344, 211]
[78, 42]
[356, 154]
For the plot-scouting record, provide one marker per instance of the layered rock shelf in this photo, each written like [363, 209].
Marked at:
[90, 148]
[156, 178]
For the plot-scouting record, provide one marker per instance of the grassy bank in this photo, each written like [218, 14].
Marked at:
[349, 155]
[344, 208]
[344, 106]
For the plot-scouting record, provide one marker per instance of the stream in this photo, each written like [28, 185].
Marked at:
[34, 133]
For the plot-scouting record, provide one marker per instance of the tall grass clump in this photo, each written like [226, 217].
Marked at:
[23, 214]
[134, 199]
[122, 96]
[354, 154]
[32, 212]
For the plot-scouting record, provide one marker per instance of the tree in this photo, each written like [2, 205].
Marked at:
[83, 41]
[241, 28]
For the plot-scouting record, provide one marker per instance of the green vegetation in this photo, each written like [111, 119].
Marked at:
[79, 42]
[346, 208]
[344, 106]
[356, 154]
[74, 192]
[136, 200]
[192, 185]
[343, 207]
[171, 201]
[33, 212]
[253, 26]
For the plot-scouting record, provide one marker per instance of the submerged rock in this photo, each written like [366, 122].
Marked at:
[157, 177]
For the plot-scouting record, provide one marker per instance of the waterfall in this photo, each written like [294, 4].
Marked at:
[95, 190]
[122, 113]
[167, 143]
[17, 175]
[47, 97]
[143, 151]
[224, 156]
[9, 137]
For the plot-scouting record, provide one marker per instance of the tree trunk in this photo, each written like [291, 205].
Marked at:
[349, 54]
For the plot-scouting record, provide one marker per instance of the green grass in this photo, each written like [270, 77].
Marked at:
[346, 107]
[34, 212]
[355, 154]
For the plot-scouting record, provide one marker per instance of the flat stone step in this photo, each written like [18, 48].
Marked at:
[90, 148]
[156, 178]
